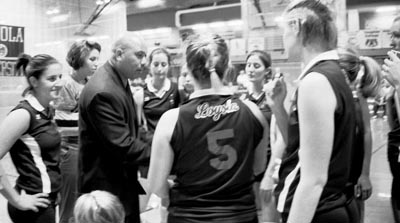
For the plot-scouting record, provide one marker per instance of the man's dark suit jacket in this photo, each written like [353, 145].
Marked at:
[109, 146]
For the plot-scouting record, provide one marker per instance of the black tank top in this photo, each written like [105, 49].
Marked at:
[261, 102]
[36, 154]
[154, 106]
[214, 142]
[344, 124]
[394, 134]
[359, 145]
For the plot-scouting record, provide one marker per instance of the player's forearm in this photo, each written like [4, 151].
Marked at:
[282, 120]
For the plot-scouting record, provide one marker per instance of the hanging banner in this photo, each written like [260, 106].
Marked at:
[373, 39]
[12, 40]
[7, 67]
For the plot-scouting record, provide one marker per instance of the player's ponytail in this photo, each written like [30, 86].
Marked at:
[208, 58]
[368, 80]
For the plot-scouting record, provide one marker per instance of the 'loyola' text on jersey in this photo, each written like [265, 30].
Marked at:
[205, 110]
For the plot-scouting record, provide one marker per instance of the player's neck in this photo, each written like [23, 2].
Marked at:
[256, 88]
[158, 83]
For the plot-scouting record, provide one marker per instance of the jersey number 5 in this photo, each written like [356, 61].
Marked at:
[227, 155]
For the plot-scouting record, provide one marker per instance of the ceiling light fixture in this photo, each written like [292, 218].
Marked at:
[101, 2]
[199, 26]
[59, 18]
[149, 3]
[161, 31]
[53, 11]
[218, 24]
[235, 23]
[386, 9]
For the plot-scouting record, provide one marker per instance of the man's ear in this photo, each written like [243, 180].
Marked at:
[33, 82]
[118, 54]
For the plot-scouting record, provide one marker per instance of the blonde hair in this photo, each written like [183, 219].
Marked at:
[98, 207]
[368, 82]
[200, 63]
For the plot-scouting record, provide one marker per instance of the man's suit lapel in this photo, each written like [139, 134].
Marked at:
[132, 111]
[127, 95]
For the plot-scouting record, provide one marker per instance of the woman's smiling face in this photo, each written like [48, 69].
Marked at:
[48, 85]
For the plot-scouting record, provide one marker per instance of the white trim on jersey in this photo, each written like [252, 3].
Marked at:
[33, 101]
[164, 89]
[34, 148]
[288, 182]
[210, 91]
[328, 55]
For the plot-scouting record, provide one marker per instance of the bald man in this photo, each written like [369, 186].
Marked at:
[110, 149]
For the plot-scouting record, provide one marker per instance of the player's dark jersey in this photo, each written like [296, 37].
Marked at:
[393, 137]
[394, 134]
[359, 146]
[36, 154]
[338, 171]
[155, 106]
[261, 102]
[214, 142]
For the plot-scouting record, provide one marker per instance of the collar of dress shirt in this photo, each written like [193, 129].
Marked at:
[163, 89]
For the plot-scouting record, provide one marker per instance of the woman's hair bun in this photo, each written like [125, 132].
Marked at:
[23, 61]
